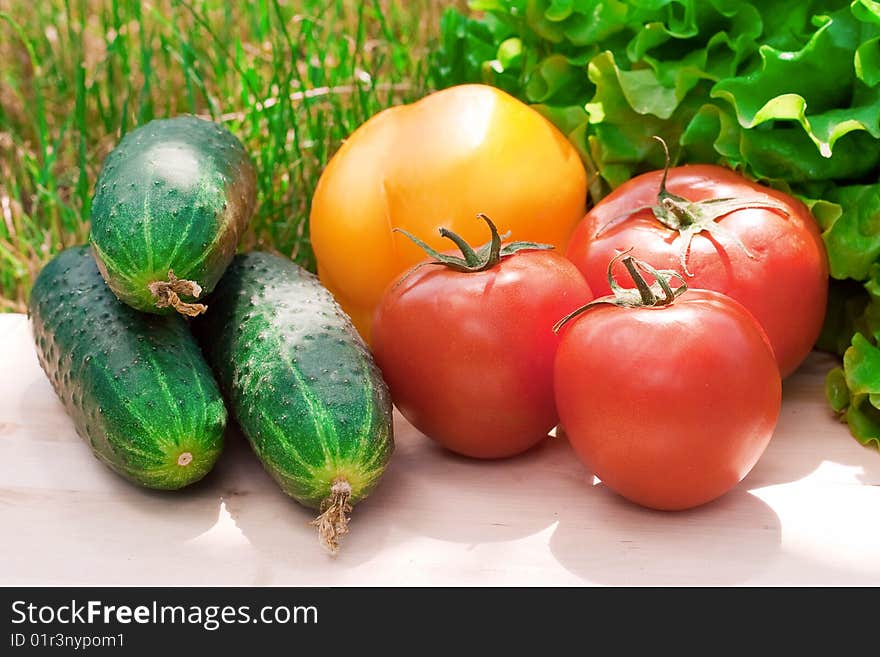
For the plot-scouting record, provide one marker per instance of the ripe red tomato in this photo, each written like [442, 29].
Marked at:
[670, 406]
[764, 250]
[468, 355]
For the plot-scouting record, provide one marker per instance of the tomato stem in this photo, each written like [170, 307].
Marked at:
[474, 260]
[656, 295]
[648, 297]
[689, 218]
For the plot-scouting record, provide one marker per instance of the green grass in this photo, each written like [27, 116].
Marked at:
[291, 79]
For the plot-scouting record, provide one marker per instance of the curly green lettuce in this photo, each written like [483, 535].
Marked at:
[786, 92]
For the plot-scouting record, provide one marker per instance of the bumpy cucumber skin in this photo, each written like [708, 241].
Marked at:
[136, 385]
[298, 378]
[175, 194]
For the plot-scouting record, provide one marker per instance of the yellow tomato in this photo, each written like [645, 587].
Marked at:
[437, 163]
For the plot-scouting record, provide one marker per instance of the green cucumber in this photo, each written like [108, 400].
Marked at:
[301, 383]
[170, 204]
[136, 385]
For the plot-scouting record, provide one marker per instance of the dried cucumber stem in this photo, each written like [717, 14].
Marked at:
[168, 293]
[332, 524]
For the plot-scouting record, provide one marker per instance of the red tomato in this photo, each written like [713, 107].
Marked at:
[770, 259]
[468, 356]
[669, 406]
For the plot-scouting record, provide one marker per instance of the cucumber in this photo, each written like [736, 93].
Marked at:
[301, 383]
[170, 204]
[136, 385]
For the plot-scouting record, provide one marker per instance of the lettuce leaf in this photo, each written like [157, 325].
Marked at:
[854, 390]
[853, 238]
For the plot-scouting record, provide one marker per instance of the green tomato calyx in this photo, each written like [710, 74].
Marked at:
[657, 294]
[690, 218]
[474, 260]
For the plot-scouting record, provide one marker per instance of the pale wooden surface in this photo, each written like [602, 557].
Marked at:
[808, 513]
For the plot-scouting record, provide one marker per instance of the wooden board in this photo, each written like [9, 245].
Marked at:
[806, 515]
